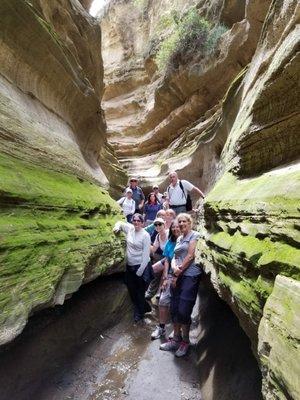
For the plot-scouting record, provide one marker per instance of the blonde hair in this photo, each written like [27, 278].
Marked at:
[185, 216]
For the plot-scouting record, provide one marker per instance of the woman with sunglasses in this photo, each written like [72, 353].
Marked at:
[165, 296]
[184, 286]
[157, 254]
[152, 206]
[138, 257]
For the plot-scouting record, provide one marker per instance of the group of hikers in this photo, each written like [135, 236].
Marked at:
[160, 250]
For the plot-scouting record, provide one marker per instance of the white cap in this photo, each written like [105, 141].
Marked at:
[159, 220]
[128, 190]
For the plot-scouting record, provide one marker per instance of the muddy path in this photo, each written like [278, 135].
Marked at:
[89, 349]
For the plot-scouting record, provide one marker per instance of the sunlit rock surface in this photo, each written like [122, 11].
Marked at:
[229, 123]
[155, 120]
[56, 217]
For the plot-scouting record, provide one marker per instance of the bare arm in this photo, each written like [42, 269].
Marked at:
[197, 190]
[187, 260]
[155, 245]
[166, 268]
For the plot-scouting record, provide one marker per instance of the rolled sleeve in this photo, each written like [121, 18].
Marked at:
[187, 185]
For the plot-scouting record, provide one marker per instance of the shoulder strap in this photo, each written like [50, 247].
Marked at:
[181, 187]
[123, 200]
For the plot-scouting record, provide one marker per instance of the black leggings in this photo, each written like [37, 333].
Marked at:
[183, 299]
[136, 288]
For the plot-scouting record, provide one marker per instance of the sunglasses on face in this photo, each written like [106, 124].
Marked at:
[133, 180]
[182, 222]
[136, 220]
[158, 224]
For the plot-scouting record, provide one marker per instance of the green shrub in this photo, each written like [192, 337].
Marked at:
[188, 36]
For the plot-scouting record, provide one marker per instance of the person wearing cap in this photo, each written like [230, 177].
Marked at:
[178, 191]
[152, 206]
[137, 260]
[127, 204]
[151, 228]
[167, 277]
[158, 195]
[157, 250]
[137, 195]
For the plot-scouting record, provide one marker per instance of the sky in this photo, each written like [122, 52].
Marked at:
[96, 6]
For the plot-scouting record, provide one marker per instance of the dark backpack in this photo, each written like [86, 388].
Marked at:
[189, 204]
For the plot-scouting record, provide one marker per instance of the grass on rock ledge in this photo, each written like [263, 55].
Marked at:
[186, 37]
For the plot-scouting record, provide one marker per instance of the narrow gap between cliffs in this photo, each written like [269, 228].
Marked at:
[89, 349]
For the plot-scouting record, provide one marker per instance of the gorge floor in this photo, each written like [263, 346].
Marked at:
[89, 349]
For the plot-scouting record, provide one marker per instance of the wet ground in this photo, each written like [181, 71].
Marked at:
[89, 349]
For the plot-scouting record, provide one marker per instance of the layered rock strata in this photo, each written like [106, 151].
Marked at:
[252, 213]
[229, 122]
[157, 120]
[56, 216]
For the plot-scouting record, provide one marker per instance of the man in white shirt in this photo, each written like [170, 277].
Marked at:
[178, 191]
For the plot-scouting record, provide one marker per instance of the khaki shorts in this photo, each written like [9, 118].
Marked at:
[165, 296]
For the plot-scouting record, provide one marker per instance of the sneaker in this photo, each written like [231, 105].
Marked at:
[159, 332]
[170, 345]
[182, 349]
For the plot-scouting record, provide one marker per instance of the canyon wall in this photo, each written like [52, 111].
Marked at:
[229, 122]
[56, 215]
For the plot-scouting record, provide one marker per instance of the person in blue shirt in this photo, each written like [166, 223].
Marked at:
[165, 297]
[152, 206]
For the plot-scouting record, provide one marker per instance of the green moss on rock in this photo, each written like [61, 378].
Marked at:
[56, 233]
[252, 237]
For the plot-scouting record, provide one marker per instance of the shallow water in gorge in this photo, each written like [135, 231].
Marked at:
[84, 351]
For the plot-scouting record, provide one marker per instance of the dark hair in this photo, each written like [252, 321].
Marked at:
[171, 234]
[138, 216]
[149, 195]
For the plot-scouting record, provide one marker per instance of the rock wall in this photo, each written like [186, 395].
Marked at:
[56, 215]
[229, 122]
[252, 213]
[156, 120]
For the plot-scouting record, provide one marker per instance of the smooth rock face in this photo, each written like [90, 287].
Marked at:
[55, 217]
[229, 123]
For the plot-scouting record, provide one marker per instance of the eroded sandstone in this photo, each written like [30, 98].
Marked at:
[229, 122]
[56, 215]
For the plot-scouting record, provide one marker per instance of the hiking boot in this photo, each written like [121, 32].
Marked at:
[170, 345]
[182, 349]
[159, 332]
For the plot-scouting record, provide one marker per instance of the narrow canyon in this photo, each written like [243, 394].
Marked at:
[207, 88]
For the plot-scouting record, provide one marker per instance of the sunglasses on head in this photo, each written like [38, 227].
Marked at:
[158, 224]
